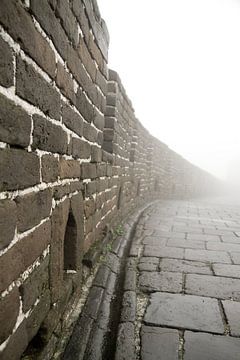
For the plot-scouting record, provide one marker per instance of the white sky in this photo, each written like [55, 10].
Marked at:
[179, 61]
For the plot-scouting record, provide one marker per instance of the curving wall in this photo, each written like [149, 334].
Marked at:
[74, 160]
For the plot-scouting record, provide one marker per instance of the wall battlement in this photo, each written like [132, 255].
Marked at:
[74, 160]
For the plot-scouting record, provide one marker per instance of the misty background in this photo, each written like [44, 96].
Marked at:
[179, 62]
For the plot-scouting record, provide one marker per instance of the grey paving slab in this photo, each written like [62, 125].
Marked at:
[213, 286]
[185, 266]
[189, 244]
[232, 311]
[175, 253]
[230, 239]
[203, 237]
[185, 312]
[200, 346]
[154, 241]
[163, 281]
[235, 257]
[159, 343]
[223, 246]
[227, 270]
[207, 256]
[146, 266]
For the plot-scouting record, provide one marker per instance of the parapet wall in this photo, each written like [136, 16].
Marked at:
[74, 160]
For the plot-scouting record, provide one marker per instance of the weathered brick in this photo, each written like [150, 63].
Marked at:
[78, 10]
[69, 169]
[32, 87]
[48, 136]
[52, 26]
[6, 64]
[81, 148]
[9, 309]
[20, 26]
[89, 207]
[89, 132]
[18, 169]
[65, 82]
[76, 67]
[87, 59]
[108, 134]
[17, 344]
[99, 121]
[90, 188]
[8, 222]
[50, 168]
[38, 315]
[88, 171]
[60, 191]
[32, 208]
[15, 123]
[72, 119]
[69, 22]
[23, 254]
[35, 285]
[85, 107]
[101, 170]
[101, 82]
[96, 154]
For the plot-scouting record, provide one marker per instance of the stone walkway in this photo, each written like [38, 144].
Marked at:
[182, 287]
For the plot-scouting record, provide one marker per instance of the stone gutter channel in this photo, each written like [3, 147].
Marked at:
[107, 325]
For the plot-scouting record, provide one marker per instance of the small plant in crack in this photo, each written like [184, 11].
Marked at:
[118, 231]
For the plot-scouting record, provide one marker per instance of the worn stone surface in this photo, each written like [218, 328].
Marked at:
[207, 256]
[159, 343]
[9, 310]
[125, 349]
[200, 346]
[164, 281]
[232, 311]
[185, 312]
[185, 266]
[8, 222]
[227, 270]
[128, 306]
[169, 252]
[6, 64]
[213, 286]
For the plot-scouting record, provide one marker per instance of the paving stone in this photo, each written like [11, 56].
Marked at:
[227, 270]
[159, 343]
[213, 286]
[149, 260]
[235, 257]
[185, 266]
[145, 266]
[203, 237]
[185, 312]
[154, 241]
[230, 239]
[207, 256]
[175, 253]
[164, 281]
[130, 280]
[199, 346]
[222, 246]
[189, 244]
[232, 311]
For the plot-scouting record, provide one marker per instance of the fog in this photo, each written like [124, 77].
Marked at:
[180, 64]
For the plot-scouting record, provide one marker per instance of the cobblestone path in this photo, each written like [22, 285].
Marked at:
[182, 287]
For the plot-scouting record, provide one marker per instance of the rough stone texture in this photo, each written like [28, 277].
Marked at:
[185, 312]
[9, 309]
[35, 89]
[232, 311]
[6, 64]
[185, 266]
[50, 168]
[164, 281]
[15, 123]
[128, 307]
[18, 169]
[125, 349]
[8, 222]
[235, 257]
[48, 136]
[213, 286]
[159, 343]
[227, 270]
[210, 347]
[32, 208]
[207, 256]
[175, 253]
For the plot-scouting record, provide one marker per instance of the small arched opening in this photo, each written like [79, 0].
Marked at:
[70, 244]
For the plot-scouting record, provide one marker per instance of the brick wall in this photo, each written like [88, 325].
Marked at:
[74, 160]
